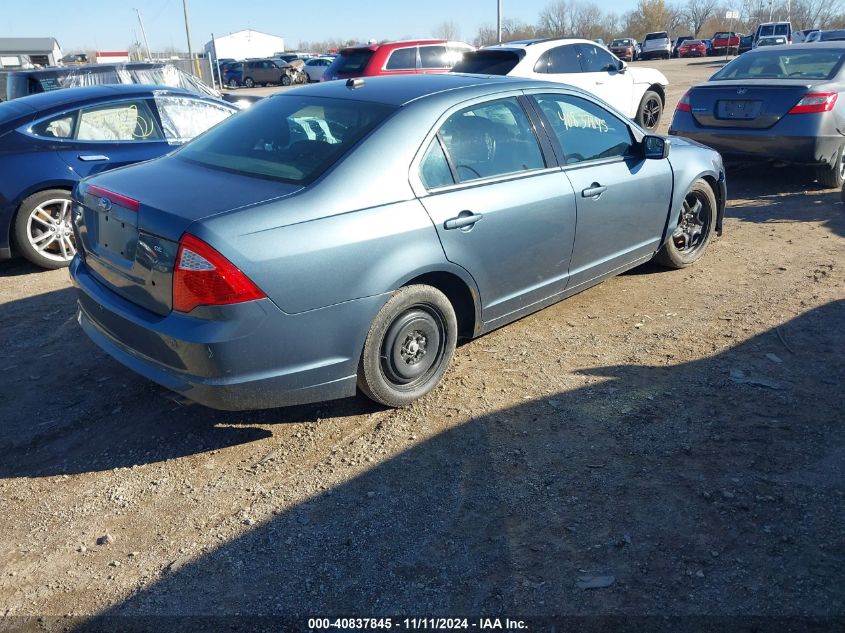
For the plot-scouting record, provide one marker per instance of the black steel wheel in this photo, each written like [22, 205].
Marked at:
[694, 230]
[409, 346]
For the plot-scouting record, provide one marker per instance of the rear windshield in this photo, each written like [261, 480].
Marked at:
[656, 36]
[722, 35]
[772, 29]
[351, 62]
[288, 138]
[621, 43]
[488, 62]
[807, 64]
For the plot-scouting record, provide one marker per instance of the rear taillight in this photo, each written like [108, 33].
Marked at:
[815, 102]
[116, 198]
[203, 277]
[683, 104]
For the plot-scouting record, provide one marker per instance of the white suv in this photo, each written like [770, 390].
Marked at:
[656, 44]
[638, 93]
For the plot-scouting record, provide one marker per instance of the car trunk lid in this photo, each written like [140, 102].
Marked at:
[744, 104]
[129, 225]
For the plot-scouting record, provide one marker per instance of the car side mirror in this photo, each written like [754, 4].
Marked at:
[655, 147]
[622, 66]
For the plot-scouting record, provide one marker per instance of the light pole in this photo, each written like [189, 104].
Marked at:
[499, 21]
[188, 35]
[144, 35]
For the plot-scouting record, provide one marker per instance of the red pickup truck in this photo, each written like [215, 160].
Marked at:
[725, 42]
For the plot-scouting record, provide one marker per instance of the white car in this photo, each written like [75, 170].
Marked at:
[638, 93]
[316, 66]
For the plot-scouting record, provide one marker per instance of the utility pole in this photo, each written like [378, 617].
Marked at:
[188, 35]
[144, 35]
[499, 21]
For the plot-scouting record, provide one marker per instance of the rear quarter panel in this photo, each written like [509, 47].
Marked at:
[691, 161]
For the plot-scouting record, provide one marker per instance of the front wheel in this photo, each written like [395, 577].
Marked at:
[249, 83]
[650, 110]
[409, 346]
[233, 83]
[696, 223]
[42, 229]
[833, 175]
[285, 80]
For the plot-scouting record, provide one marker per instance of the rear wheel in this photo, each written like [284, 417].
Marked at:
[249, 83]
[833, 175]
[42, 229]
[650, 110]
[696, 223]
[409, 346]
[233, 83]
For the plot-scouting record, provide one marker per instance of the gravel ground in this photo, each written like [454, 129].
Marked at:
[673, 437]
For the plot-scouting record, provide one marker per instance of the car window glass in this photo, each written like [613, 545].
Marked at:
[57, 127]
[585, 131]
[183, 118]
[434, 57]
[402, 59]
[434, 170]
[596, 60]
[124, 121]
[561, 59]
[490, 140]
[487, 62]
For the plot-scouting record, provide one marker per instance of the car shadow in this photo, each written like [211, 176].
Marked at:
[66, 407]
[765, 194]
[17, 266]
[708, 487]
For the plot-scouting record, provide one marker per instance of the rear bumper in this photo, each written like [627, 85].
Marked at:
[801, 141]
[248, 356]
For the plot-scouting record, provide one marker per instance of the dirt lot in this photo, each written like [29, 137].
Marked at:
[680, 432]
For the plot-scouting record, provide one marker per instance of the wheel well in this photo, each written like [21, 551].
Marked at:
[717, 193]
[659, 90]
[459, 296]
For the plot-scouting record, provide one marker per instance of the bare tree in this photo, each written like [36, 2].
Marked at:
[447, 30]
[697, 12]
[554, 19]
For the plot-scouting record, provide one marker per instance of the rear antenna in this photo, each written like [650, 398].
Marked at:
[357, 82]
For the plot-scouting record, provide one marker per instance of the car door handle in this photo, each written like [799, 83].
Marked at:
[465, 219]
[593, 191]
[92, 157]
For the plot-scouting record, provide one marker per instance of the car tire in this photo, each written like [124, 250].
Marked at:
[42, 229]
[409, 346]
[285, 80]
[833, 175]
[233, 83]
[695, 229]
[650, 111]
[249, 83]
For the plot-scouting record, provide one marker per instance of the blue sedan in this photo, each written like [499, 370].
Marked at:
[50, 140]
[346, 235]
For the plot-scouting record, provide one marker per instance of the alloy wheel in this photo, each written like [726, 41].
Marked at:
[49, 231]
[651, 113]
[692, 228]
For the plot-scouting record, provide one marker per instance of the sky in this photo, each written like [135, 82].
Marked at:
[113, 25]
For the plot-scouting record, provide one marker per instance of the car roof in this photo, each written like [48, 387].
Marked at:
[68, 96]
[396, 44]
[400, 90]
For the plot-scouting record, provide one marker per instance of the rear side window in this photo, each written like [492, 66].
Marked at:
[288, 138]
[491, 139]
[352, 61]
[123, 121]
[584, 130]
[434, 169]
[402, 59]
[434, 57]
[487, 62]
[562, 59]
[57, 127]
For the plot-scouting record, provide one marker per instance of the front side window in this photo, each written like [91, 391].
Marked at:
[584, 130]
[402, 59]
[183, 118]
[491, 139]
[289, 138]
[596, 60]
[124, 121]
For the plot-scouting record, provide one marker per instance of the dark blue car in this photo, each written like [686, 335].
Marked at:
[49, 141]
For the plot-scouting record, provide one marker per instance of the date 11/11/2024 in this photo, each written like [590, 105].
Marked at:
[431, 624]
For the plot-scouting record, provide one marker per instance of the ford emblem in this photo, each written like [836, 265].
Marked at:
[105, 204]
[741, 91]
